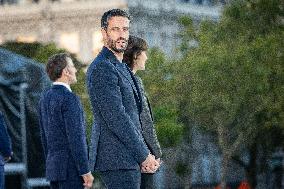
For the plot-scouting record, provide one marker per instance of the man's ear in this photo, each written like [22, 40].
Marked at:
[104, 33]
[65, 71]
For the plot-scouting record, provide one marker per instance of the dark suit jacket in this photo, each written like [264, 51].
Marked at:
[148, 128]
[5, 141]
[117, 141]
[62, 127]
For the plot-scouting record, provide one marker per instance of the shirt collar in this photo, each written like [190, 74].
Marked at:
[63, 84]
[110, 55]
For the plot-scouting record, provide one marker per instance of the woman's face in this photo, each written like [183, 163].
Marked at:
[140, 61]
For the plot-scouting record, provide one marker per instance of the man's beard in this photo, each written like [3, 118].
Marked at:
[112, 45]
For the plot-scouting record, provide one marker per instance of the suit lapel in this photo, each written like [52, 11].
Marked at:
[149, 106]
[123, 70]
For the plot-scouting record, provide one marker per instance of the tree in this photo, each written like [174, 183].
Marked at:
[232, 81]
[158, 84]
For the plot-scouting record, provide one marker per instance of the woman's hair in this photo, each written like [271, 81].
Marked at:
[135, 47]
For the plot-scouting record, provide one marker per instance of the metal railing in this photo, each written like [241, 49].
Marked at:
[21, 168]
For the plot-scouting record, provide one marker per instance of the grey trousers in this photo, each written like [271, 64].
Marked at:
[147, 181]
[122, 179]
[76, 183]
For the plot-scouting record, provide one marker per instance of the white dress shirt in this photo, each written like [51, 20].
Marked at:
[63, 84]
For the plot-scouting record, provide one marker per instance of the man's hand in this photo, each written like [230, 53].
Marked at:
[88, 180]
[6, 159]
[150, 165]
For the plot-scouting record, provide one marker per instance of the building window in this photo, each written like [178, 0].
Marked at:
[2, 2]
[38, 1]
[70, 41]
[97, 42]
[26, 39]
[201, 2]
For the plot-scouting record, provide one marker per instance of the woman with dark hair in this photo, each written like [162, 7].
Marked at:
[135, 57]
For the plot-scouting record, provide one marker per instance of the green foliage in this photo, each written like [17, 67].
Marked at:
[80, 88]
[231, 84]
[250, 17]
[169, 132]
[187, 34]
[41, 52]
[237, 76]
[38, 51]
[158, 82]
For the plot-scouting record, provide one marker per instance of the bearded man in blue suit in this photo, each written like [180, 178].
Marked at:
[5, 149]
[62, 127]
[119, 151]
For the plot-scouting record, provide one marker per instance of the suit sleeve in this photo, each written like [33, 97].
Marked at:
[5, 141]
[149, 131]
[75, 129]
[105, 92]
[156, 148]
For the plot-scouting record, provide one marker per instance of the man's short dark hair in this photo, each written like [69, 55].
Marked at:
[111, 13]
[56, 64]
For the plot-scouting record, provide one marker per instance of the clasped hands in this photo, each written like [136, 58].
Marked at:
[88, 180]
[150, 165]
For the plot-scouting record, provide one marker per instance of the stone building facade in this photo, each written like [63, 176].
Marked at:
[75, 25]
[157, 20]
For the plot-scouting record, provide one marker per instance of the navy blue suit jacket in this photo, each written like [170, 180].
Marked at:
[62, 127]
[117, 141]
[5, 141]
